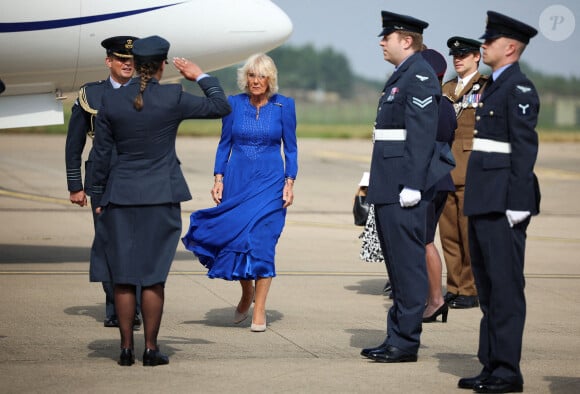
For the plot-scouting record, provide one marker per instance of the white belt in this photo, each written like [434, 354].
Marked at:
[389, 134]
[485, 145]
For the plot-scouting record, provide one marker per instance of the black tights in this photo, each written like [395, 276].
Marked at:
[152, 298]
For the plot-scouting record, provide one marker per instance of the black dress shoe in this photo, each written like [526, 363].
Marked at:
[387, 287]
[448, 297]
[392, 354]
[111, 322]
[127, 358]
[366, 352]
[469, 383]
[136, 323]
[464, 302]
[497, 385]
[152, 358]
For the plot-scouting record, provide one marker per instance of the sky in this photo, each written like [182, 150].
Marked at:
[351, 27]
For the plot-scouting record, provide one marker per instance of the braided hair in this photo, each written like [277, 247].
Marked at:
[146, 70]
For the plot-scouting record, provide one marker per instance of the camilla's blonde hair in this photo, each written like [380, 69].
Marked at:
[260, 64]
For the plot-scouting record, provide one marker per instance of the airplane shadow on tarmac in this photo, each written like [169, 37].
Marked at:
[369, 286]
[223, 317]
[109, 348]
[22, 254]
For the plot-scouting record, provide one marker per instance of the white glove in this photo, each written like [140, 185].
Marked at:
[515, 217]
[409, 197]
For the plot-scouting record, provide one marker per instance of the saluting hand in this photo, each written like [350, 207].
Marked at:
[188, 69]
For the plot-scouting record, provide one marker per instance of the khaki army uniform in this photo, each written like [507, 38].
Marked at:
[452, 223]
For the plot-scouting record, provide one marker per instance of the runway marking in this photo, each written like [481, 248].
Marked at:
[344, 156]
[551, 173]
[280, 273]
[542, 172]
[34, 197]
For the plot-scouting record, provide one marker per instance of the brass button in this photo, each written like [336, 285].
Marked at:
[474, 132]
[490, 113]
[477, 117]
[480, 104]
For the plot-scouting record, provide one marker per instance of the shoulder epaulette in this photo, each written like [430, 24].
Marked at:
[95, 83]
[483, 78]
[449, 80]
[84, 103]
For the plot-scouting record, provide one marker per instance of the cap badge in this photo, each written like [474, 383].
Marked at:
[129, 44]
[456, 43]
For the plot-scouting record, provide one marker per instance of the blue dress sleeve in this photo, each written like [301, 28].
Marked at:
[225, 144]
[289, 138]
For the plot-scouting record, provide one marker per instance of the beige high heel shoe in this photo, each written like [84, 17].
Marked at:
[258, 327]
[240, 316]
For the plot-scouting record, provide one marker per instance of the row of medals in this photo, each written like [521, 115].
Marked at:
[469, 100]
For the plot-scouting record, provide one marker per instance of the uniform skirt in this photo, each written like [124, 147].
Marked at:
[135, 244]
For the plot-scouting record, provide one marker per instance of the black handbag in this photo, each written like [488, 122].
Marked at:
[360, 210]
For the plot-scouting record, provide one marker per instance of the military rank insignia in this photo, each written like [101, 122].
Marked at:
[422, 103]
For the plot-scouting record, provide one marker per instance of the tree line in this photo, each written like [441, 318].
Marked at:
[306, 68]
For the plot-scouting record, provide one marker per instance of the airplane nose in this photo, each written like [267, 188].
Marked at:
[243, 27]
[263, 18]
[259, 26]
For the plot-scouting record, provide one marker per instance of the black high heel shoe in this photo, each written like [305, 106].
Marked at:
[443, 311]
[127, 358]
[152, 358]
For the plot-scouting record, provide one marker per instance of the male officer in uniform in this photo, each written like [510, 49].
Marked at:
[404, 147]
[119, 60]
[464, 92]
[501, 194]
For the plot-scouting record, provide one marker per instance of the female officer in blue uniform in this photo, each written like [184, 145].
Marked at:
[81, 125]
[501, 193]
[139, 212]
[403, 167]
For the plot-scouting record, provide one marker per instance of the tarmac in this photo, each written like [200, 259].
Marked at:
[323, 307]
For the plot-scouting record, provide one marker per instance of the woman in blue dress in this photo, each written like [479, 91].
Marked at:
[236, 240]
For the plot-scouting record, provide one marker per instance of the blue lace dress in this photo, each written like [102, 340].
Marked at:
[237, 239]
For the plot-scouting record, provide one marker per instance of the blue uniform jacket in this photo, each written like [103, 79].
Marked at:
[82, 122]
[410, 101]
[495, 182]
[147, 170]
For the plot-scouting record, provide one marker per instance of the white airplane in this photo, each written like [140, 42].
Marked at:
[50, 48]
